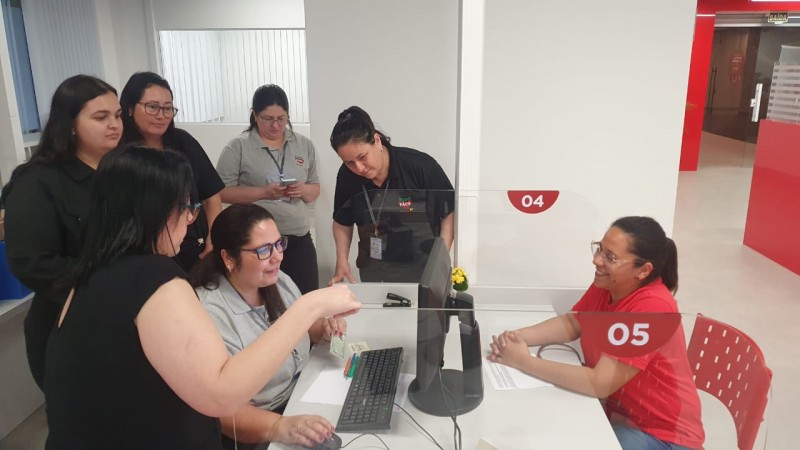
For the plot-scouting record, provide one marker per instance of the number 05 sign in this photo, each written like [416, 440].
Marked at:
[628, 334]
[532, 202]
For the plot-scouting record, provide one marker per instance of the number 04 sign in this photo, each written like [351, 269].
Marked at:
[628, 334]
[532, 202]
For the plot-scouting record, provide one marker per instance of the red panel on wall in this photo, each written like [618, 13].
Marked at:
[773, 213]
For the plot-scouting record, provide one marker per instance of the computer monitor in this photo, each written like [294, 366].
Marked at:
[438, 391]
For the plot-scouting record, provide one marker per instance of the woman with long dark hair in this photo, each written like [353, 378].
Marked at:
[47, 197]
[243, 288]
[149, 117]
[135, 361]
[271, 165]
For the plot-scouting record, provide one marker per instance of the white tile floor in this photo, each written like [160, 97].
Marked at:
[719, 277]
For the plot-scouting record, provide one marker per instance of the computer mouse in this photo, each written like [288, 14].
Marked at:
[332, 443]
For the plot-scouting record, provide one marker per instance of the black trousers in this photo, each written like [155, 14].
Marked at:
[300, 262]
[38, 324]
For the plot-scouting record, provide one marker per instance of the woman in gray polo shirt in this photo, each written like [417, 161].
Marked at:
[241, 286]
[268, 164]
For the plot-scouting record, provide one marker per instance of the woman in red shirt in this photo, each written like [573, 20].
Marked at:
[650, 399]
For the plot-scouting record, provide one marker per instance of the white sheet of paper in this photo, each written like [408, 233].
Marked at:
[505, 378]
[330, 388]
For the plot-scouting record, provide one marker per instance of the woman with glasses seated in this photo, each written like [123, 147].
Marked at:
[244, 291]
[651, 400]
[272, 166]
[135, 361]
[399, 198]
[149, 117]
[47, 197]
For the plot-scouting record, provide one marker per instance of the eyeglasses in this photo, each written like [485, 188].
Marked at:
[265, 251]
[194, 210]
[154, 108]
[282, 120]
[608, 257]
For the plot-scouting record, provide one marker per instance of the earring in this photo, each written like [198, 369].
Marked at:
[230, 268]
[73, 132]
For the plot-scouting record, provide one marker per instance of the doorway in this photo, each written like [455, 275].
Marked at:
[744, 52]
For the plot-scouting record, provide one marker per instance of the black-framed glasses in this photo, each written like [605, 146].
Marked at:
[282, 120]
[154, 108]
[608, 257]
[194, 210]
[265, 251]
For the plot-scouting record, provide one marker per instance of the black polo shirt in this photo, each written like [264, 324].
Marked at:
[416, 183]
[406, 214]
[206, 184]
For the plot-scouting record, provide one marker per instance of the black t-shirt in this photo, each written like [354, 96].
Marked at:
[206, 184]
[405, 212]
[101, 390]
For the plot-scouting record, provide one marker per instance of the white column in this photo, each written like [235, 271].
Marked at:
[469, 135]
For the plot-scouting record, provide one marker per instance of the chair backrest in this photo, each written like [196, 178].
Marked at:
[729, 365]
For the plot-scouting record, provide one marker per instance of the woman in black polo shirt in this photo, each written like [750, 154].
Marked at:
[148, 113]
[399, 198]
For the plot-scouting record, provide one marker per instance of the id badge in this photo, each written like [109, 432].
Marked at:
[375, 247]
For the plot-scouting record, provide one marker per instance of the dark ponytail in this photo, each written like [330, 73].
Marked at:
[355, 125]
[650, 243]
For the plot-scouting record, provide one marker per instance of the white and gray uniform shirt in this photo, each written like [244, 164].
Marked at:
[245, 162]
[240, 324]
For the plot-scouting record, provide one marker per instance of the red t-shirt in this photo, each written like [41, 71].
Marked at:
[661, 399]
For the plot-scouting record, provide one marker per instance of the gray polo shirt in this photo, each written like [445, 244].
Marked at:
[240, 324]
[245, 162]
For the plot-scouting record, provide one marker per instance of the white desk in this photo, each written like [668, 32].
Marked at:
[543, 418]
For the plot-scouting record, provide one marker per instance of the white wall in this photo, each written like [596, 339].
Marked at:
[596, 113]
[397, 60]
[213, 14]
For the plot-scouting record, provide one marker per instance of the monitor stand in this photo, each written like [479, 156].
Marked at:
[459, 391]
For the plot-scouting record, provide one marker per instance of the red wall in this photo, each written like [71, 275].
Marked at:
[698, 69]
[773, 213]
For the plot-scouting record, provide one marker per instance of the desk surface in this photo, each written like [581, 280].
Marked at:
[544, 418]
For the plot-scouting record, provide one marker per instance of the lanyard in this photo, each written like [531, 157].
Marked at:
[283, 158]
[369, 206]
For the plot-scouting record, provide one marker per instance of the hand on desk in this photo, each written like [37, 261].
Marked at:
[306, 430]
[342, 272]
[510, 349]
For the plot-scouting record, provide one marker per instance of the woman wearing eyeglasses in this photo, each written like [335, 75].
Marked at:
[47, 198]
[244, 291]
[149, 118]
[271, 165]
[651, 400]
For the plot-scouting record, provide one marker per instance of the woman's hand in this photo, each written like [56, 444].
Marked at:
[509, 349]
[342, 272]
[274, 191]
[305, 430]
[297, 190]
[336, 302]
[333, 326]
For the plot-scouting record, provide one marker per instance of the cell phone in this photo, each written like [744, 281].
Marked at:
[288, 181]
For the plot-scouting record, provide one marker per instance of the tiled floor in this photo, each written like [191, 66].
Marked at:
[719, 277]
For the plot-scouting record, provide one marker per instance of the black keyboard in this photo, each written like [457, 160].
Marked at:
[369, 402]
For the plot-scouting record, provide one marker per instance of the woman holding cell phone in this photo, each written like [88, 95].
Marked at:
[272, 166]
